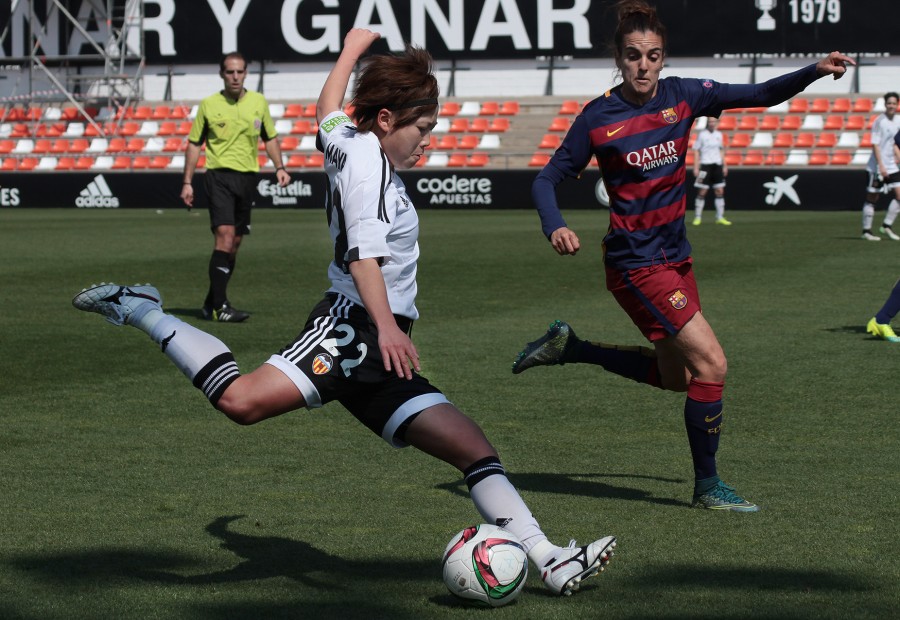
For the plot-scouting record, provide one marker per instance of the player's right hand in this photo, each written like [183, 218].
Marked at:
[187, 195]
[358, 40]
[398, 352]
[565, 241]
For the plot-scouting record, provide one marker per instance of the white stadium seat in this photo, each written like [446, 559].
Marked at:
[148, 128]
[797, 157]
[437, 160]
[23, 146]
[74, 130]
[469, 108]
[98, 145]
[104, 162]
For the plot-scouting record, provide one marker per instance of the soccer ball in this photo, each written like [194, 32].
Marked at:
[486, 564]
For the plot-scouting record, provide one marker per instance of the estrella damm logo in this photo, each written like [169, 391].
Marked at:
[329, 125]
[678, 300]
[670, 115]
[322, 364]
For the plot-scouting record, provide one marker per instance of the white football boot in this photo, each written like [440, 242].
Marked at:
[116, 302]
[565, 571]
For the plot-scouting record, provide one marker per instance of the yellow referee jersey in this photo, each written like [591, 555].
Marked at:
[232, 129]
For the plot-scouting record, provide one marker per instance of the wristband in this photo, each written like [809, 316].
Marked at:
[280, 168]
[187, 183]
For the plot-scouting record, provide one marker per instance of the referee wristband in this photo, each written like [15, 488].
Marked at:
[279, 168]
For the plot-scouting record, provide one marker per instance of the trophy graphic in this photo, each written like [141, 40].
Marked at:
[766, 22]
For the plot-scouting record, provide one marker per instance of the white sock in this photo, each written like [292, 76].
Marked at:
[189, 348]
[698, 207]
[498, 502]
[720, 208]
[892, 211]
[868, 216]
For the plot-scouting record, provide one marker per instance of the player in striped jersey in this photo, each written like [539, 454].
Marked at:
[639, 132]
[356, 347]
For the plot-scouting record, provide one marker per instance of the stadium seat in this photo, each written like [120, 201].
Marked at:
[148, 128]
[154, 145]
[862, 105]
[489, 108]
[129, 128]
[732, 157]
[449, 108]
[813, 122]
[459, 125]
[59, 146]
[797, 157]
[177, 163]
[456, 160]
[479, 125]
[28, 163]
[848, 140]
[739, 140]
[818, 157]
[293, 110]
[569, 107]
[301, 127]
[296, 161]
[289, 143]
[20, 130]
[98, 145]
[560, 123]
[861, 157]
[753, 158]
[135, 145]
[748, 123]
[775, 157]
[489, 141]
[159, 162]
[469, 108]
[468, 142]
[83, 163]
[276, 110]
[116, 145]
[442, 125]
[509, 108]
[727, 122]
[826, 140]
[783, 140]
[6, 146]
[142, 113]
[103, 162]
[437, 160]
[47, 163]
[10, 164]
[799, 105]
[5, 130]
[41, 146]
[834, 122]
[173, 144]
[855, 122]
[819, 105]
[762, 140]
[699, 124]
[179, 112]
[184, 128]
[283, 126]
[840, 105]
[309, 110]
[161, 113]
[499, 125]
[550, 141]
[447, 142]
[805, 140]
[74, 130]
[478, 160]
[307, 143]
[866, 139]
[65, 163]
[878, 105]
[688, 159]
[840, 158]
[770, 122]
[70, 114]
[779, 108]
[166, 128]
[121, 162]
[316, 160]
[23, 146]
[539, 160]
[141, 162]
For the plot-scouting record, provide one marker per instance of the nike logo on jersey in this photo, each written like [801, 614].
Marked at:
[610, 134]
[712, 419]
[224, 270]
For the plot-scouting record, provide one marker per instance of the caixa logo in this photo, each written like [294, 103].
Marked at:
[287, 195]
[454, 190]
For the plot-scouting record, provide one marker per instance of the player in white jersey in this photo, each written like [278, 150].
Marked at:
[710, 170]
[355, 347]
[884, 174]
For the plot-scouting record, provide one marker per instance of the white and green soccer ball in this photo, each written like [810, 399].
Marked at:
[485, 564]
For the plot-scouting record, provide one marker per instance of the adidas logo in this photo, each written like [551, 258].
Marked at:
[97, 194]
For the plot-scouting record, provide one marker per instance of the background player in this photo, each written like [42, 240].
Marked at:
[639, 132]
[231, 123]
[356, 347]
[883, 171]
[710, 170]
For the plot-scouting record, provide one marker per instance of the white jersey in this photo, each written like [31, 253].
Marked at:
[710, 145]
[883, 132]
[369, 214]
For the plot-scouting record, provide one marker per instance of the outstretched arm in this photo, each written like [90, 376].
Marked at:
[331, 98]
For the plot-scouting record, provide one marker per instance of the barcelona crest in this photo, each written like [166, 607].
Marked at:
[670, 115]
[678, 300]
[322, 364]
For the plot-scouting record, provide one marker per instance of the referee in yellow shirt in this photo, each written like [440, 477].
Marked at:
[231, 123]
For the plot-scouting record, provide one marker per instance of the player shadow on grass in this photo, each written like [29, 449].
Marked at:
[576, 484]
[851, 329]
[194, 313]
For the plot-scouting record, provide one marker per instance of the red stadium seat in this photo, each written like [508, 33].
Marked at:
[309, 111]
[296, 161]
[166, 128]
[775, 157]
[10, 164]
[688, 159]
[83, 163]
[499, 125]
[41, 146]
[753, 158]
[539, 160]
[316, 160]
[173, 144]
[479, 125]
[121, 162]
[116, 145]
[6, 146]
[826, 140]
[447, 142]
[560, 123]
[141, 162]
[841, 105]
[293, 110]
[129, 128]
[748, 123]
[509, 108]
[184, 128]
[866, 140]
[569, 107]
[862, 105]
[449, 108]
[160, 162]
[819, 105]
[727, 122]
[489, 108]
[459, 125]
[819, 157]
[855, 122]
[65, 163]
[28, 163]
[834, 122]
[739, 140]
[770, 122]
[468, 142]
[478, 160]
[805, 140]
[142, 113]
[59, 146]
[135, 145]
[161, 113]
[841, 158]
[289, 143]
[550, 141]
[783, 140]
[799, 105]
[301, 127]
[457, 160]
[733, 157]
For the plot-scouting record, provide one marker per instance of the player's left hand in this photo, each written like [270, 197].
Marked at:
[834, 64]
[283, 177]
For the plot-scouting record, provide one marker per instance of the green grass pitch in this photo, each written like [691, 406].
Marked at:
[125, 495]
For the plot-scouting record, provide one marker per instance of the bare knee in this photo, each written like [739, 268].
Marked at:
[240, 409]
[713, 367]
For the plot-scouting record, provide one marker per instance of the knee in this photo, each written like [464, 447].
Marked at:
[717, 367]
[239, 409]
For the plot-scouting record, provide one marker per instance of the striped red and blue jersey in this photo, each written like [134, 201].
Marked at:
[641, 152]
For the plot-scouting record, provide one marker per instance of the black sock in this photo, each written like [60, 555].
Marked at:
[219, 274]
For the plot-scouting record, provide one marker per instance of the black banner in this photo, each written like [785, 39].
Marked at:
[200, 31]
[778, 189]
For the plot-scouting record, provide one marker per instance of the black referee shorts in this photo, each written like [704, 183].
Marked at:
[231, 195]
